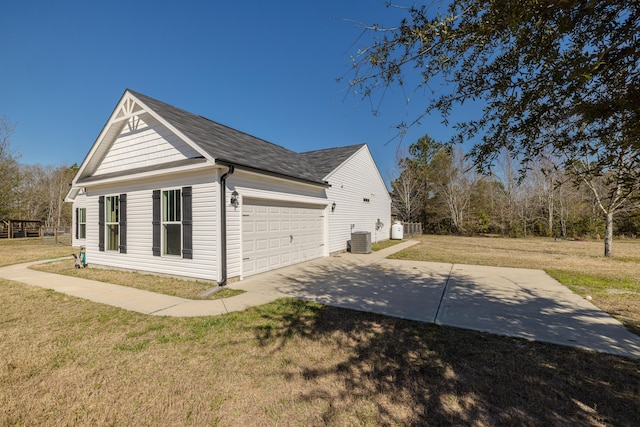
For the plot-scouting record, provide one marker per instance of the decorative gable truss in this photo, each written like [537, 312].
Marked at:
[128, 109]
[136, 140]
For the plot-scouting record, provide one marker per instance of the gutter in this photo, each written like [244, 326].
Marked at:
[223, 226]
[307, 181]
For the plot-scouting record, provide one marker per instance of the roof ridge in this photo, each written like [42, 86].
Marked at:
[334, 148]
[230, 145]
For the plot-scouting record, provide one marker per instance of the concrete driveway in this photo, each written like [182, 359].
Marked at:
[509, 301]
[515, 302]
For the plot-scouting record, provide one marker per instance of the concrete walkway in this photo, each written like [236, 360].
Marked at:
[508, 301]
[130, 298]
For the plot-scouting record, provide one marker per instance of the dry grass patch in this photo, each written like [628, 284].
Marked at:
[161, 284]
[16, 251]
[544, 253]
[618, 297]
[67, 361]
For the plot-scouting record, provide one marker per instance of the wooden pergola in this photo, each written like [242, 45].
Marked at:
[17, 228]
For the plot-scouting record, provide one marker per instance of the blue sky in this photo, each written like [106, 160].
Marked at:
[266, 68]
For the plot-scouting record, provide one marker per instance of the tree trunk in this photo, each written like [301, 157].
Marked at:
[550, 211]
[608, 235]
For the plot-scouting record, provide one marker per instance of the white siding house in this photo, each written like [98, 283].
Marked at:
[361, 201]
[166, 191]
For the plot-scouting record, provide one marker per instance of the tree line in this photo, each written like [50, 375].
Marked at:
[32, 192]
[438, 186]
[557, 82]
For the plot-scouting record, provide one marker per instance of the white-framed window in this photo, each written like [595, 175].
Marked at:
[172, 222]
[112, 222]
[82, 223]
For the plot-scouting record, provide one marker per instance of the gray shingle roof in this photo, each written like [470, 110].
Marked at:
[326, 161]
[229, 145]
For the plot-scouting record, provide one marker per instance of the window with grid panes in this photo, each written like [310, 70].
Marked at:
[82, 223]
[171, 222]
[112, 222]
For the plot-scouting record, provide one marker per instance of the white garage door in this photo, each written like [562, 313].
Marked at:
[276, 234]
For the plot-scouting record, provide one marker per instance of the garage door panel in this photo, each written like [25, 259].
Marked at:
[262, 263]
[277, 234]
[261, 245]
[274, 243]
[249, 264]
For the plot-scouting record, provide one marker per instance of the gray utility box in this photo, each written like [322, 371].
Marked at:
[361, 242]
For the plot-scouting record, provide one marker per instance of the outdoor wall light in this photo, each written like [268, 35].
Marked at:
[234, 199]
[333, 206]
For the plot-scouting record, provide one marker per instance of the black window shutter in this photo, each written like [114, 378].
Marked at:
[156, 223]
[123, 224]
[101, 223]
[187, 223]
[77, 222]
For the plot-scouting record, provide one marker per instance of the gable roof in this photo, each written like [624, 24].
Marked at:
[213, 142]
[231, 146]
[327, 160]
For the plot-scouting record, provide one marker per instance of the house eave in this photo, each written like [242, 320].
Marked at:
[179, 166]
[258, 171]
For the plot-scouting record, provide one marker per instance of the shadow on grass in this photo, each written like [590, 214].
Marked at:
[445, 375]
[528, 305]
[512, 302]
[450, 376]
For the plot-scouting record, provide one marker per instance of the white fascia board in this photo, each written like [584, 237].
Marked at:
[148, 174]
[71, 195]
[282, 197]
[279, 178]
